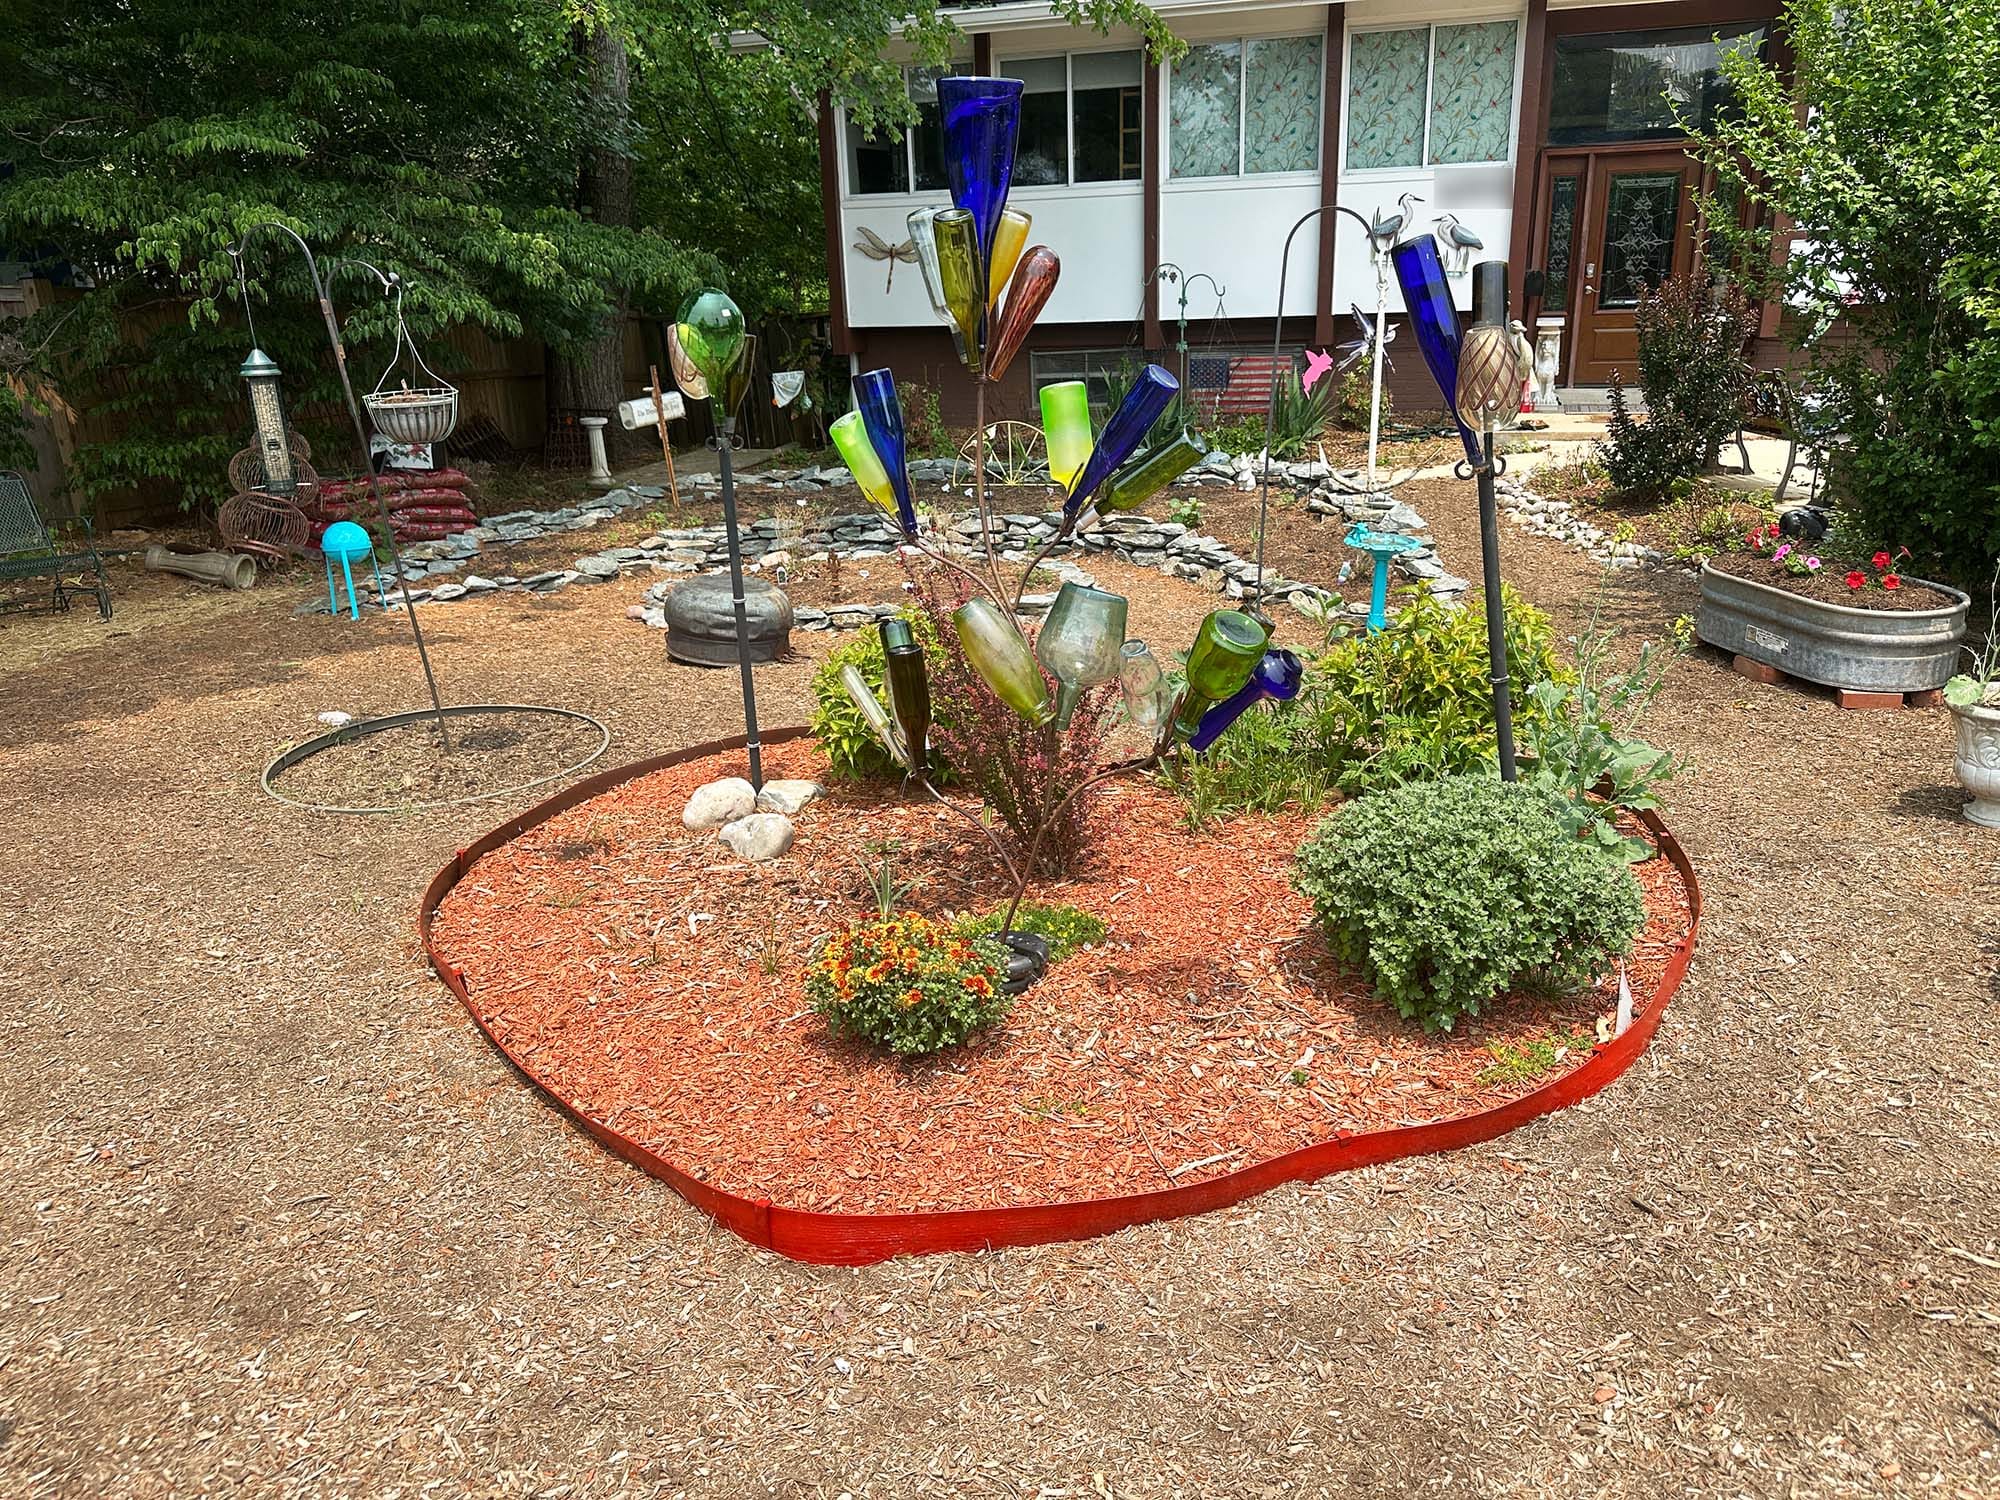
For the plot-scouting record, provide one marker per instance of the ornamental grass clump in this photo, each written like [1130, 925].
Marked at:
[1445, 894]
[908, 983]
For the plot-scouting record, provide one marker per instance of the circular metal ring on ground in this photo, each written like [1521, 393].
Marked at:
[285, 761]
[847, 1239]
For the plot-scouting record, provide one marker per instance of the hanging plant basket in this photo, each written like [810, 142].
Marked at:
[428, 414]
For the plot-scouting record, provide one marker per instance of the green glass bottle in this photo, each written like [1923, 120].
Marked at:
[872, 714]
[1226, 649]
[711, 334]
[1152, 471]
[909, 686]
[994, 646]
[1079, 642]
[964, 286]
[1066, 429]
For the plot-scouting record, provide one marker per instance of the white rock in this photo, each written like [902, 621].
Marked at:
[788, 797]
[333, 718]
[759, 837]
[720, 802]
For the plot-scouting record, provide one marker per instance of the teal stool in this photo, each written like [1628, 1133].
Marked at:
[347, 542]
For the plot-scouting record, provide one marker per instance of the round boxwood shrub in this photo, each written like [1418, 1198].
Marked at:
[908, 983]
[1444, 894]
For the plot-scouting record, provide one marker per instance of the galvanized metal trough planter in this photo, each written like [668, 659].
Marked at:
[1863, 650]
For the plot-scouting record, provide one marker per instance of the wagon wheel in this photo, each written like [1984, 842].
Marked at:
[1015, 455]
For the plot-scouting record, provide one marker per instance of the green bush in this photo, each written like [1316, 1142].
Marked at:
[1695, 371]
[1064, 928]
[1410, 703]
[1446, 894]
[909, 984]
[1876, 149]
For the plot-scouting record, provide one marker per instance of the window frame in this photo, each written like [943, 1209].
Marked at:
[1241, 178]
[1430, 29]
[1069, 184]
[912, 193]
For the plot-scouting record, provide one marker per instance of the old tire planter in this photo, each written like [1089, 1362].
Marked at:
[1835, 645]
[862, 1239]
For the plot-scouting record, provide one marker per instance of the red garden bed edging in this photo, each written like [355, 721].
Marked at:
[860, 1239]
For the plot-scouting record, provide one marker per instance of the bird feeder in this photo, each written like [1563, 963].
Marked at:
[260, 373]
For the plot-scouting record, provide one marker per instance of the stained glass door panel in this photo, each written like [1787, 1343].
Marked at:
[1641, 225]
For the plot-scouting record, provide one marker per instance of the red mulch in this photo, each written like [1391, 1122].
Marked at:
[654, 981]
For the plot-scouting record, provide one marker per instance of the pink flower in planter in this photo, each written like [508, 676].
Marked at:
[1782, 553]
[1813, 565]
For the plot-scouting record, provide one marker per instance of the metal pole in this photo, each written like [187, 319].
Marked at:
[1381, 349]
[726, 429]
[1496, 612]
[367, 458]
[1271, 401]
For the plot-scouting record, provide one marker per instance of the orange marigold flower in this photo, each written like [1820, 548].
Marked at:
[979, 985]
[910, 997]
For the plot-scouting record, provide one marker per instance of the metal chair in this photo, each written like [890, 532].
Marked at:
[29, 550]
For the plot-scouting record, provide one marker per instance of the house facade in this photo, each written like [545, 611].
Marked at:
[1542, 128]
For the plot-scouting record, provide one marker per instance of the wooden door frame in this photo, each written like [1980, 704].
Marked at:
[1595, 164]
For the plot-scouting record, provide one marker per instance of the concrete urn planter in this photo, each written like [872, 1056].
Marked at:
[1976, 758]
[1835, 645]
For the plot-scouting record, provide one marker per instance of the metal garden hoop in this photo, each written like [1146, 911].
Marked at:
[347, 733]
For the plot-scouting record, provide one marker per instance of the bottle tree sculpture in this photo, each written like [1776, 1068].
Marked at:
[988, 285]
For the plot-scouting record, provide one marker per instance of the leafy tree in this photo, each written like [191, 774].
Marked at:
[530, 168]
[1882, 154]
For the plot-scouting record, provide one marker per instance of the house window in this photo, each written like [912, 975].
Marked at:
[1640, 85]
[1422, 96]
[879, 164]
[1105, 372]
[1247, 107]
[1080, 118]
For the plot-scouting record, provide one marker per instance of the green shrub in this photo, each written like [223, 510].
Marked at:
[852, 751]
[1446, 894]
[1411, 703]
[1874, 146]
[1065, 928]
[1695, 370]
[909, 984]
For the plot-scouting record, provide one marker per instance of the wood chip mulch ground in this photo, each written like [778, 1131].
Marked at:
[655, 982]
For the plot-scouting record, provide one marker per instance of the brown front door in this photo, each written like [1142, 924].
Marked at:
[1634, 228]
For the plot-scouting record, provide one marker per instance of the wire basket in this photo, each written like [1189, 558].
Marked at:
[427, 414]
[419, 414]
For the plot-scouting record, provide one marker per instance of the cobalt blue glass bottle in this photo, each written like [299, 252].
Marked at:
[1125, 431]
[1434, 317]
[882, 415]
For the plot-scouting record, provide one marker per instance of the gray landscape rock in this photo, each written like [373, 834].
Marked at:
[758, 837]
[719, 802]
[597, 567]
[788, 797]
